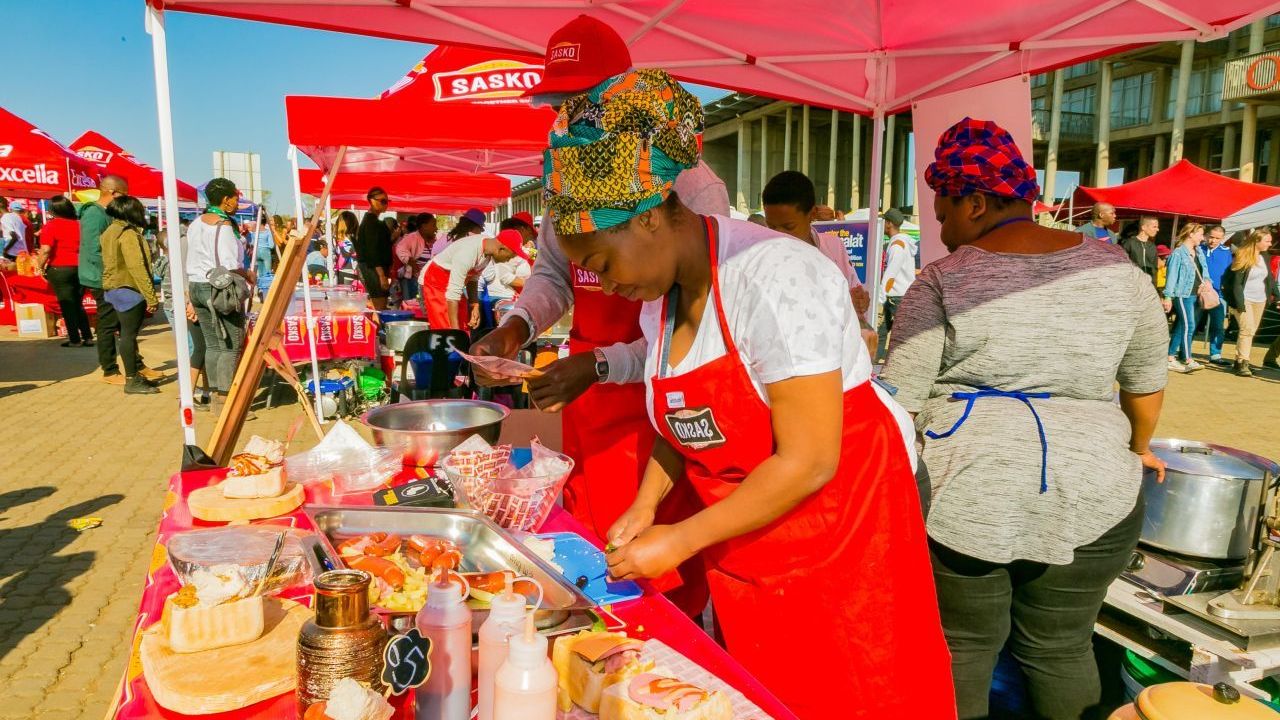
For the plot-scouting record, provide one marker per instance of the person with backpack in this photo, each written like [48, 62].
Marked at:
[219, 283]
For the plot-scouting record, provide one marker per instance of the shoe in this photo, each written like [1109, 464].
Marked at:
[1192, 366]
[1176, 366]
[87, 343]
[113, 379]
[1243, 369]
[1220, 361]
[1273, 364]
[202, 399]
[137, 386]
[70, 343]
[200, 407]
[150, 375]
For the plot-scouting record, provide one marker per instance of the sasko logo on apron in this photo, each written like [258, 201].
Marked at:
[695, 429]
[585, 279]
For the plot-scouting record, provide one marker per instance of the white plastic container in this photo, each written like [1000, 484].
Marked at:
[525, 686]
[446, 619]
[506, 618]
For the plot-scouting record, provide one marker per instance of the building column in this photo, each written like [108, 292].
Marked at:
[1228, 146]
[804, 140]
[1055, 132]
[886, 190]
[744, 164]
[1178, 140]
[1161, 153]
[1202, 158]
[1273, 163]
[786, 144]
[764, 152]
[1249, 125]
[1144, 160]
[833, 149]
[1103, 162]
[855, 199]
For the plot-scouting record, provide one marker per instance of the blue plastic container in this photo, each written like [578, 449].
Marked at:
[389, 316]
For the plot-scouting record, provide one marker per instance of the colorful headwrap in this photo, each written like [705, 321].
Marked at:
[616, 150]
[980, 156]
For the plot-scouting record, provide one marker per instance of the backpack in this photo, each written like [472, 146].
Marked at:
[231, 291]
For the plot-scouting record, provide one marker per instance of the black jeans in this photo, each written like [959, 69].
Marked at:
[130, 324]
[223, 338]
[1044, 612]
[107, 327]
[66, 285]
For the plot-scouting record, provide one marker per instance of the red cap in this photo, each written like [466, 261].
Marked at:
[524, 217]
[514, 241]
[580, 56]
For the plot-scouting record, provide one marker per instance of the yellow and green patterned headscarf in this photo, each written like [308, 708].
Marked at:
[616, 150]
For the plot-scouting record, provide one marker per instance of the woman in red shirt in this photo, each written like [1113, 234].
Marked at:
[59, 259]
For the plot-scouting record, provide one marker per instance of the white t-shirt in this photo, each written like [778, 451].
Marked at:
[200, 250]
[830, 246]
[11, 223]
[499, 276]
[463, 258]
[1255, 283]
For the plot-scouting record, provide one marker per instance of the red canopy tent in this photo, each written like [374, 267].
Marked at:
[1183, 189]
[34, 165]
[435, 192]
[144, 180]
[460, 109]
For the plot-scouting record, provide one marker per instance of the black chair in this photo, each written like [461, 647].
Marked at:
[438, 344]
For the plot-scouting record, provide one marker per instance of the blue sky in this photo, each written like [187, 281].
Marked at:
[228, 79]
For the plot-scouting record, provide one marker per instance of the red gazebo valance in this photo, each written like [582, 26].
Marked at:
[34, 165]
[1182, 189]
[437, 192]
[144, 180]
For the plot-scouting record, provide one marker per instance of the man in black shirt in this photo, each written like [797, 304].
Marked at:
[373, 249]
[1141, 248]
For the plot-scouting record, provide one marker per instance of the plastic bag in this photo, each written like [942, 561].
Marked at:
[242, 552]
[500, 367]
[346, 460]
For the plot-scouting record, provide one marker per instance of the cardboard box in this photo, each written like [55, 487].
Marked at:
[34, 321]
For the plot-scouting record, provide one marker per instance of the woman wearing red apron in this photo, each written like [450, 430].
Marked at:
[450, 278]
[760, 391]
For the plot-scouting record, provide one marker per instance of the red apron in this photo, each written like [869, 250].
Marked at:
[831, 606]
[435, 283]
[606, 430]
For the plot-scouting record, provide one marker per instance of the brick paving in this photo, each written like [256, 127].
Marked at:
[77, 446]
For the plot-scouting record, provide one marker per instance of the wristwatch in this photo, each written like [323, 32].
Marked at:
[602, 365]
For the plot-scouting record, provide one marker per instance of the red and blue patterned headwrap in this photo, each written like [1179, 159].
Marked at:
[980, 156]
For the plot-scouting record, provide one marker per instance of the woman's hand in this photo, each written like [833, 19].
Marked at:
[474, 321]
[653, 553]
[636, 519]
[1167, 304]
[861, 299]
[191, 312]
[1151, 462]
[562, 382]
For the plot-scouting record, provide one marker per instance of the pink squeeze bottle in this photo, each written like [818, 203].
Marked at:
[506, 611]
[525, 687]
[446, 619]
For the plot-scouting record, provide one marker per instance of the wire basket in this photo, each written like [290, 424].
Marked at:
[515, 502]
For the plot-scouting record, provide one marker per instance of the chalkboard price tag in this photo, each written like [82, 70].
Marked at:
[407, 661]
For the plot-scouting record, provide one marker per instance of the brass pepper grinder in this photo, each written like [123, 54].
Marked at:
[342, 640]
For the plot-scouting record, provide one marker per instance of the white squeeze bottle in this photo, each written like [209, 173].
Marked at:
[506, 611]
[446, 620]
[525, 687]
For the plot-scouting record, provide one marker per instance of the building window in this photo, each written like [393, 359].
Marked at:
[1080, 70]
[1080, 100]
[1039, 80]
[1040, 103]
[1204, 92]
[1273, 21]
[1131, 100]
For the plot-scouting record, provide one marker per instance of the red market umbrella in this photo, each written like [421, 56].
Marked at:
[1182, 189]
[34, 165]
[144, 180]
[460, 109]
[439, 192]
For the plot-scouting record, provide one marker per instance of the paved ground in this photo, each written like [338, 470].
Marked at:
[76, 446]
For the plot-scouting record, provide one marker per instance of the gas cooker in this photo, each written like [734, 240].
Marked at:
[1168, 573]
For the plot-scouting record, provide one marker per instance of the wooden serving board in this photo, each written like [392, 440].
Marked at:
[208, 504]
[226, 678]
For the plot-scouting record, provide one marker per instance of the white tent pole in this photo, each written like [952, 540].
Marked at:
[306, 288]
[874, 231]
[331, 279]
[154, 21]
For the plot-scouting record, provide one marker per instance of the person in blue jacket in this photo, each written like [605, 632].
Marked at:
[1187, 271]
[1218, 256]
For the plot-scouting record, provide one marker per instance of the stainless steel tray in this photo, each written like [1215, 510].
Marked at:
[485, 546]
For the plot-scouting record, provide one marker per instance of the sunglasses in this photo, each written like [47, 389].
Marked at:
[384, 200]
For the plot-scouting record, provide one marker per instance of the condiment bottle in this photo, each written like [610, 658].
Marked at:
[342, 640]
[525, 686]
[446, 620]
[506, 611]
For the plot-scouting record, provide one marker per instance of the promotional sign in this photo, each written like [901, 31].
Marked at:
[853, 235]
[499, 80]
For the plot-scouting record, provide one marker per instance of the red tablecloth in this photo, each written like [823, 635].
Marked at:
[338, 337]
[15, 288]
[658, 617]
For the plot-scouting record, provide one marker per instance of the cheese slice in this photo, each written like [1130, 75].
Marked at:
[601, 645]
[267, 485]
[195, 628]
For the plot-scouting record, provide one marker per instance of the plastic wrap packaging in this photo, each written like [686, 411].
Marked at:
[516, 498]
[242, 552]
[346, 460]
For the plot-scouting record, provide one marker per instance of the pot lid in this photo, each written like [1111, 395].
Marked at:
[1201, 459]
[1192, 701]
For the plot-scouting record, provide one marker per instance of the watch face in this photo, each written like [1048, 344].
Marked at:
[602, 369]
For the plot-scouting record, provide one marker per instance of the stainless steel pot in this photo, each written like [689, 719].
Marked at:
[399, 332]
[1210, 502]
[426, 430]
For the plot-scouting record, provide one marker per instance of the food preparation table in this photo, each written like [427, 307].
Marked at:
[338, 337]
[650, 616]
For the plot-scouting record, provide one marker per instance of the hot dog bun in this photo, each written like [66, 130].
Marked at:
[578, 660]
[637, 699]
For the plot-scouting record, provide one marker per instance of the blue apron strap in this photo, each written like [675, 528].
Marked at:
[1025, 398]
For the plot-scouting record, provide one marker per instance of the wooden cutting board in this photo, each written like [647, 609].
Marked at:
[226, 678]
[208, 504]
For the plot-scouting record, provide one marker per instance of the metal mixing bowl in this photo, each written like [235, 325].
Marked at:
[427, 430]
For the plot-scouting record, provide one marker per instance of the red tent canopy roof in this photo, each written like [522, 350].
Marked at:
[34, 165]
[460, 109]
[444, 192]
[144, 180]
[1182, 189]
[856, 55]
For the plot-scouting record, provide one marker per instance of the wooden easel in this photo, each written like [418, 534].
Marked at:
[262, 349]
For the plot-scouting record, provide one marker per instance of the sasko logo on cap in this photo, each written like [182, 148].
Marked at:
[564, 52]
